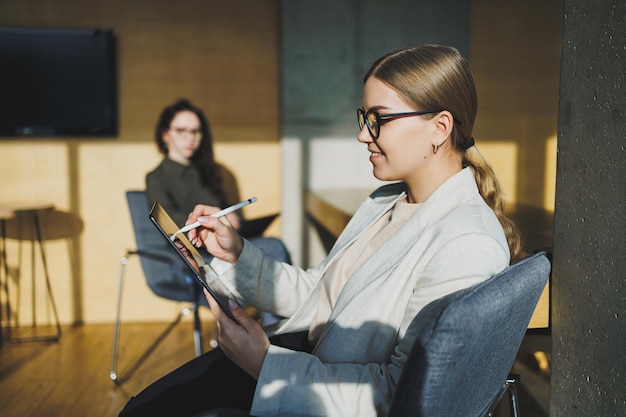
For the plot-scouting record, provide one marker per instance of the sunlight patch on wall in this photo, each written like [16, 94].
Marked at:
[256, 168]
[503, 159]
[31, 172]
[340, 163]
[550, 173]
[108, 170]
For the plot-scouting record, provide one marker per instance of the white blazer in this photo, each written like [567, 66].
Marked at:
[452, 242]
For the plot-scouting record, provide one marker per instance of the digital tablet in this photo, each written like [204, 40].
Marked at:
[190, 255]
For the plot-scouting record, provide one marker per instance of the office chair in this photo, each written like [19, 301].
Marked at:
[166, 275]
[466, 344]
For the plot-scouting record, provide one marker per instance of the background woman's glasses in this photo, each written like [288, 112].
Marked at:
[182, 132]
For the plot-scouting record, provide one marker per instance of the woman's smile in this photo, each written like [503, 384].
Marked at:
[375, 155]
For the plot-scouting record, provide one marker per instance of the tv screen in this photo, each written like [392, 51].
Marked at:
[57, 82]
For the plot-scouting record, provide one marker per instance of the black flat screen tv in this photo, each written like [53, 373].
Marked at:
[58, 82]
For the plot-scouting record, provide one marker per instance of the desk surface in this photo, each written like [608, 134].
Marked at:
[333, 208]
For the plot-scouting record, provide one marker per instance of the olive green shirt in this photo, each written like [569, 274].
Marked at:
[178, 189]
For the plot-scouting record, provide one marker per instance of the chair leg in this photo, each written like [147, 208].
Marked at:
[197, 329]
[509, 387]
[116, 331]
[512, 390]
[113, 375]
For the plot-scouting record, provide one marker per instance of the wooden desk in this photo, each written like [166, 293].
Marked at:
[24, 212]
[331, 210]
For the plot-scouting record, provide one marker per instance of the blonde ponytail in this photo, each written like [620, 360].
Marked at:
[490, 190]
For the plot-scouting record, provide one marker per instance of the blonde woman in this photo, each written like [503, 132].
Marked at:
[437, 228]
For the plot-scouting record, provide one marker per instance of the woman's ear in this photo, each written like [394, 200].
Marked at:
[444, 122]
[443, 127]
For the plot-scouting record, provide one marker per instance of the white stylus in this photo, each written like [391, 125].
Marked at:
[220, 213]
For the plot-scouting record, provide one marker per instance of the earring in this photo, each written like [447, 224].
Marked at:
[435, 148]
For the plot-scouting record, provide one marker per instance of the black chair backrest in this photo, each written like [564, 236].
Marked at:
[166, 274]
[467, 342]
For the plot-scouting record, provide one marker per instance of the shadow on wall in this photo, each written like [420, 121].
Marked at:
[54, 224]
[38, 227]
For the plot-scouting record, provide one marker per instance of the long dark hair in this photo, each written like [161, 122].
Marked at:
[203, 159]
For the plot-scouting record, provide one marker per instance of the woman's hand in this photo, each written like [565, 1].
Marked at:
[246, 343]
[217, 235]
[234, 220]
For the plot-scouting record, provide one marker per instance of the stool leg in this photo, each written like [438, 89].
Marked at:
[7, 272]
[45, 268]
[42, 252]
[3, 259]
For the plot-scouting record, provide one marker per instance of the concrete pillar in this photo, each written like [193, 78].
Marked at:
[589, 270]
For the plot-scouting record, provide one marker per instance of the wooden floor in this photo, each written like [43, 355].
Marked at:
[70, 378]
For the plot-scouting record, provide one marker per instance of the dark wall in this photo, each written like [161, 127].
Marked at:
[589, 270]
[327, 46]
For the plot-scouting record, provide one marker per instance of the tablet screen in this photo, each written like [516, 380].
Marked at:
[190, 255]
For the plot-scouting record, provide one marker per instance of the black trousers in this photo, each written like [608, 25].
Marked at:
[210, 381]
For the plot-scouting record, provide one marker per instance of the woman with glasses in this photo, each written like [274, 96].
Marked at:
[189, 175]
[437, 228]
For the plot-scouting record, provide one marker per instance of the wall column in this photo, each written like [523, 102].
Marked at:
[589, 271]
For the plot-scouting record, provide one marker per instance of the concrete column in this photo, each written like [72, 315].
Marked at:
[589, 270]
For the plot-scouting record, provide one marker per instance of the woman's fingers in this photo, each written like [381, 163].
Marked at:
[245, 344]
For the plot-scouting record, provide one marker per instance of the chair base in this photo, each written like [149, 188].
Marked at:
[510, 387]
[197, 329]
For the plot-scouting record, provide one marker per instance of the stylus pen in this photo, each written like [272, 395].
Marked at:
[220, 213]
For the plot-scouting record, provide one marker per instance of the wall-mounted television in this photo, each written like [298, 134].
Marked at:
[58, 82]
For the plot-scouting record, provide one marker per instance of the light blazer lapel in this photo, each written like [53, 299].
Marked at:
[378, 203]
[370, 210]
[459, 188]
[378, 265]
[442, 201]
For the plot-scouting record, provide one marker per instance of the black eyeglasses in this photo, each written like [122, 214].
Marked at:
[375, 120]
[181, 131]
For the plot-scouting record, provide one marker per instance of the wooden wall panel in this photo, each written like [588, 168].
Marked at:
[221, 55]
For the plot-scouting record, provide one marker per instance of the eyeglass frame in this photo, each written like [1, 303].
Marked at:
[382, 118]
[181, 131]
